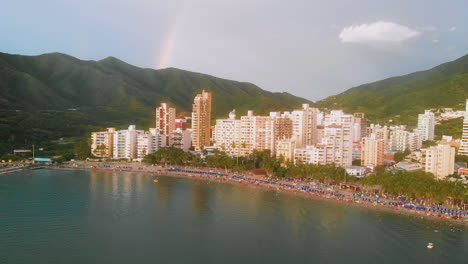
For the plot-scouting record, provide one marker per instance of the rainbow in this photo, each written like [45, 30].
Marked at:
[167, 44]
[164, 51]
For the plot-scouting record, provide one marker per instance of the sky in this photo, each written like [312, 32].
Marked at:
[310, 48]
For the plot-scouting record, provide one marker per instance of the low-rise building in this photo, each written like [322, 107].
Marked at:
[408, 166]
[356, 171]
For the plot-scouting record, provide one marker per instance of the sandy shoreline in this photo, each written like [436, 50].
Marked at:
[342, 197]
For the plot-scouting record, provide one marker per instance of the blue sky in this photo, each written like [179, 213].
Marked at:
[309, 48]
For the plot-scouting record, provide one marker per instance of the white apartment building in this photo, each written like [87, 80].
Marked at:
[464, 141]
[181, 139]
[227, 136]
[315, 154]
[304, 124]
[372, 151]
[125, 146]
[149, 142]
[338, 138]
[356, 132]
[439, 160]
[241, 137]
[414, 141]
[256, 133]
[426, 125]
[133, 144]
[398, 140]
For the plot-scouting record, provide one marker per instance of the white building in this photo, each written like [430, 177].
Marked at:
[439, 160]
[133, 144]
[338, 138]
[408, 166]
[311, 154]
[304, 124]
[125, 143]
[241, 137]
[356, 171]
[426, 125]
[464, 142]
[414, 141]
[227, 136]
[149, 142]
[181, 137]
[400, 140]
[256, 133]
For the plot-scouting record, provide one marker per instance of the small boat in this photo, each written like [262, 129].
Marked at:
[430, 245]
[155, 180]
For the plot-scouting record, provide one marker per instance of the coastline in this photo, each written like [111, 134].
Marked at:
[341, 197]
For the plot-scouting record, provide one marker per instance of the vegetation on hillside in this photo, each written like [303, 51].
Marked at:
[402, 98]
[452, 127]
[47, 97]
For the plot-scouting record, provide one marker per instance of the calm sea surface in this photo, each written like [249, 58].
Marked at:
[67, 216]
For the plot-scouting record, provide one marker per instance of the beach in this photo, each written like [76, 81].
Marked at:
[308, 189]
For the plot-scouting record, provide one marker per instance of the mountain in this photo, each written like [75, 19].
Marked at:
[402, 98]
[56, 95]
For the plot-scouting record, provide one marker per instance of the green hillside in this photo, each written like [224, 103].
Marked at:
[50, 96]
[443, 86]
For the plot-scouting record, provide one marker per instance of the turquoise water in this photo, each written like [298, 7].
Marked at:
[66, 216]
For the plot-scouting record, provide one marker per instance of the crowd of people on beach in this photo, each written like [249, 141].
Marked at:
[307, 187]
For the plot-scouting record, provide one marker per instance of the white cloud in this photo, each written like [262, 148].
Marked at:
[453, 28]
[378, 32]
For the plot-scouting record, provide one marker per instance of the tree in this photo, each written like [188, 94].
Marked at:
[83, 149]
[429, 143]
[401, 155]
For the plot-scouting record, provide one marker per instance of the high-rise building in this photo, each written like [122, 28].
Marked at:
[201, 120]
[398, 140]
[426, 125]
[131, 144]
[165, 120]
[304, 124]
[338, 138]
[103, 143]
[148, 142]
[414, 141]
[283, 127]
[241, 137]
[125, 143]
[372, 151]
[439, 160]
[181, 137]
[256, 133]
[464, 142]
[227, 138]
[361, 119]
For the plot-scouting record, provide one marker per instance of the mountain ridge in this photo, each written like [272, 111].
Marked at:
[37, 93]
[401, 98]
